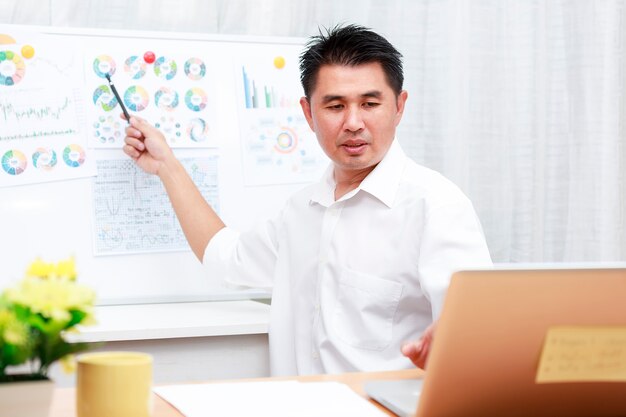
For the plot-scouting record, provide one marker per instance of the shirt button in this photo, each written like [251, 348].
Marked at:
[317, 308]
[315, 355]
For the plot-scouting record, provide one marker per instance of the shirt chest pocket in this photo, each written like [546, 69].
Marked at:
[365, 309]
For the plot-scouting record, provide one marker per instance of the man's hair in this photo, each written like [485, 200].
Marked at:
[349, 45]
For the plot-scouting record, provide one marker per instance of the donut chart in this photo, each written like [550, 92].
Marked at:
[12, 68]
[136, 98]
[103, 65]
[166, 99]
[196, 99]
[286, 140]
[170, 128]
[103, 97]
[13, 162]
[135, 67]
[73, 156]
[165, 68]
[198, 130]
[195, 69]
[108, 129]
[44, 159]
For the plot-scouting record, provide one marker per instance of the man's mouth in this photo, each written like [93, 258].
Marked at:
[354, 147]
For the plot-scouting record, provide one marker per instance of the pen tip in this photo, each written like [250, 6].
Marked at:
[108, 76]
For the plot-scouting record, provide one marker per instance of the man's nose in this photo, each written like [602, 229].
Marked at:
[354, 119]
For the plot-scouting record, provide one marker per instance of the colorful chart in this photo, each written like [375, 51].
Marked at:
[135, 67]
[170, 128]
[195, 69]
[103, 65]
[108, 129]
[136, 98]
[73, 155]
[13, 162]
[103, 97]
[198, 130]
[44, 159]
[286, 140]
[165, 68]
[12, 68]
[195, 99]
[268, 90]
[166, 99]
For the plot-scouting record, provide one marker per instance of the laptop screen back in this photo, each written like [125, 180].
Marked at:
[489, 339]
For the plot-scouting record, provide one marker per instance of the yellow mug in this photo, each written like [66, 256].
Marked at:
[114, 384]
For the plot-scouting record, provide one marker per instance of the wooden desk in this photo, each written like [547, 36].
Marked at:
[63, 404]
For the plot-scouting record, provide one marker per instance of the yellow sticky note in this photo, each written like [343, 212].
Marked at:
[583, 354]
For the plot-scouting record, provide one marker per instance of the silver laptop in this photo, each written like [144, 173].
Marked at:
[488, 342]
[399, 396]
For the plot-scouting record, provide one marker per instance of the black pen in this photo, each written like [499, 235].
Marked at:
[117, 96]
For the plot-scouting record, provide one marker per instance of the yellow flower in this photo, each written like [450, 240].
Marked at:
[62, 269]
[52, 298]
[39, 269]
[67, 268]
[12, 330]
[37, 312]
[68, 364]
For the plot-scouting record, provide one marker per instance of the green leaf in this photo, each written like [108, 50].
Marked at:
[77, 317]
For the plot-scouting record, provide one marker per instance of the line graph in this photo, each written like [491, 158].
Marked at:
[37, 114]
[8, 110]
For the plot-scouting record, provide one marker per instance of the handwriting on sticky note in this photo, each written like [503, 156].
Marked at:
[583, 354]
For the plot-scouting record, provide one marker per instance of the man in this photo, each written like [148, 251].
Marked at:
[359, 262]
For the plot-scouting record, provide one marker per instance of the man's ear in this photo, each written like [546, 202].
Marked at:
[306, 109]
[400, 102]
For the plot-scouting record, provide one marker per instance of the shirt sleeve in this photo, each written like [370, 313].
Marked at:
[243, 260]
[452, 240]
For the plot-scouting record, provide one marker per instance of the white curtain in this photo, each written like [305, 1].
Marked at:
[522, 103]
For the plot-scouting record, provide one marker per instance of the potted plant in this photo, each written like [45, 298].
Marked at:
[35, 316]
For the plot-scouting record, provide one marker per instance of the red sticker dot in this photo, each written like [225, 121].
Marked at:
[149, 57]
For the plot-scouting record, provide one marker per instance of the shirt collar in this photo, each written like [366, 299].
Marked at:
[382, 182]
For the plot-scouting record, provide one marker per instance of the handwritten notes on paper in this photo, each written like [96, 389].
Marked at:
[583, 354]
[132, 213]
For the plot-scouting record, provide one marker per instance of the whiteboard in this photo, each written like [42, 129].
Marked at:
[257, 150]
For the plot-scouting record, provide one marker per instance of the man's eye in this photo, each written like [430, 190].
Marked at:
[371, 104]
[336, 107]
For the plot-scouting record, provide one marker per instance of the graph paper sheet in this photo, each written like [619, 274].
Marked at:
[132, 213]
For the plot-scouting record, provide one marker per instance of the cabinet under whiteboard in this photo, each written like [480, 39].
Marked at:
[132, 213]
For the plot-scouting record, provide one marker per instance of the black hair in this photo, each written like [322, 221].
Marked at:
[349, 45]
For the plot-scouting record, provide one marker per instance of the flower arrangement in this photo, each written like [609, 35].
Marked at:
[35, 316]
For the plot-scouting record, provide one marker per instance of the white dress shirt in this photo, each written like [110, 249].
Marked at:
[354, 278]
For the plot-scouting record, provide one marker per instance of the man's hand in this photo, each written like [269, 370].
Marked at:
[417, 351]
[146, 145]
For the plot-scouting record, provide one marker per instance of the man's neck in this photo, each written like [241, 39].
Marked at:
[348, 180]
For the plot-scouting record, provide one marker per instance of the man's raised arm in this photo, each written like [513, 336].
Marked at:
[148, 148]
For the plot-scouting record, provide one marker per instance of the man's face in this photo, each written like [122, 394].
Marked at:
[354, 113]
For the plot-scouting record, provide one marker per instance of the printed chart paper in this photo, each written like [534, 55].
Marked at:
[278, 146]
[169, 85]
[40, 117]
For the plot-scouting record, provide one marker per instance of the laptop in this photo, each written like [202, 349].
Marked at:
[489, 339]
